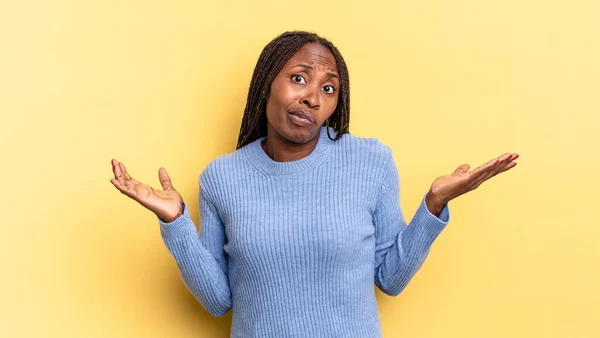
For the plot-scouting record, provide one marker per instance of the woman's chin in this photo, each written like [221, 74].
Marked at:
[300, 135]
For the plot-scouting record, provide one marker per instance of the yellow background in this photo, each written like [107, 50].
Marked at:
[164, 83]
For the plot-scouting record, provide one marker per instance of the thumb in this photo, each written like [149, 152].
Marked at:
[461, 170]
[165, 181]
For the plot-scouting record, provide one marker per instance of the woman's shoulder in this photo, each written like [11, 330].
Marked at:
[367, 146]
[366, 157]
[223, 165]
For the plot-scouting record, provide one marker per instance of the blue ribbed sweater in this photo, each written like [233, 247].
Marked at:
[295, 248]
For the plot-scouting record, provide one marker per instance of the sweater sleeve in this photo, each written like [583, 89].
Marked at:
[401, 249]
[201, 259]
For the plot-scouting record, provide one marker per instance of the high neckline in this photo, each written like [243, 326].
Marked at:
[259, 158]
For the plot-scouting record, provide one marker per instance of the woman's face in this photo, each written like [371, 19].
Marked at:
[303, 94]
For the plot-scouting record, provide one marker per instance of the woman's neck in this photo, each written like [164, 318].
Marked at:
[280, 149]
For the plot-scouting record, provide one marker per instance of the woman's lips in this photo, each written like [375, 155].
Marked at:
[301, 117]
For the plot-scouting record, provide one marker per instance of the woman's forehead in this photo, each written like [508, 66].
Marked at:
[315, 55]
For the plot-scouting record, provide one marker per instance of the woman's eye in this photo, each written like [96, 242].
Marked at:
[329, 89]
[298, 78]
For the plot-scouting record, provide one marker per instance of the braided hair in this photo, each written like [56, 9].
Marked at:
[270, 62]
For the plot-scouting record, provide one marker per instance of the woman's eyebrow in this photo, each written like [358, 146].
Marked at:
[311, 68]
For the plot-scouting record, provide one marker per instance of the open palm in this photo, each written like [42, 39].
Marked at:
[166, 203]
[446, 188]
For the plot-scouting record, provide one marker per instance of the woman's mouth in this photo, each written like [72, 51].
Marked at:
[301, 118]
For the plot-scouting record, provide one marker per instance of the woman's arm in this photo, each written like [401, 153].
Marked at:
[201, 259]
[401, 249]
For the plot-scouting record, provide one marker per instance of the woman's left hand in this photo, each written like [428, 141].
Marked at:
[446, 188]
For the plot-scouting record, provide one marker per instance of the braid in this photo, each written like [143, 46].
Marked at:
[270, 62]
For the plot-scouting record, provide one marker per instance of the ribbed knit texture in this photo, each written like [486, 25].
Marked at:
[295, 248]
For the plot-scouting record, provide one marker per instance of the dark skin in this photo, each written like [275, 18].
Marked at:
[308, 83]
[302, 96]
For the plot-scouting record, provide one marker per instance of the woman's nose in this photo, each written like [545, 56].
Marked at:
[311, 98]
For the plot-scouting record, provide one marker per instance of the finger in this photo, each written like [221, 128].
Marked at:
[122, 188]
[483, 176]
[118, 173]
[509, 165]
[124, 171]
[486, 166]
[494, 166]
[164, 179]
[506, 158]
[129, 181]
[505, 163]
[483, 170]
[500, 168]
[461, 170]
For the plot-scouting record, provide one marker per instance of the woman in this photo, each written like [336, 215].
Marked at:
[300, 221]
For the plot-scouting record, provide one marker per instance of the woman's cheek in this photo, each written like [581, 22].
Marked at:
[290, 95]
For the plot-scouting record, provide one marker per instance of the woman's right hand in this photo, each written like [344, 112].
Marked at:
[166, 203]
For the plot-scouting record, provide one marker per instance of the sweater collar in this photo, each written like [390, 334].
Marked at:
[257, 156]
